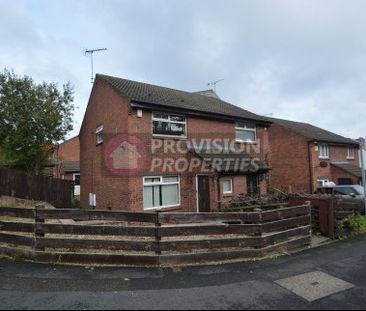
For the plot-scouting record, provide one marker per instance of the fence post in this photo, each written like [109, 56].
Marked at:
[310, 216]
[37, 222]
[157, 234]
[331, 218]
[259, 233]
[309, 204]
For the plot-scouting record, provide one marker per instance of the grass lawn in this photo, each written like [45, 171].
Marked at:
[352, 225]
[363, 224]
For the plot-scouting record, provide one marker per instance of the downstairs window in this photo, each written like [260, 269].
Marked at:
[160, 192]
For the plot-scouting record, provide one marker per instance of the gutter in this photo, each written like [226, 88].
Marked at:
[310, 168]
[218, 192]
[339, 144]
[152, 106]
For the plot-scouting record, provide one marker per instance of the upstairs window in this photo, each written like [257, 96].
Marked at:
[99, 135]
[323, 151]
[350, 153]
[246, 132]
[169, 125]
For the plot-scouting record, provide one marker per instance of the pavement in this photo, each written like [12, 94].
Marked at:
[336, 271]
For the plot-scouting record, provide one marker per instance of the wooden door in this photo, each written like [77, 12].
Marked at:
[253, 184]
[203, 193]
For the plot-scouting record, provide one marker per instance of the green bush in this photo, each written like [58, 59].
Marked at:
[77, 202]
[352, 224]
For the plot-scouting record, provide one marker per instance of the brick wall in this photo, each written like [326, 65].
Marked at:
[70, 150]
[239, 184]
[67, 151]
[66, 176]
[239, 187]
[289, 159]
[337, 173]
[110, 109]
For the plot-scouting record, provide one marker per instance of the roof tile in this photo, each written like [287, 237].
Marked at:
[313, 132]
[152, 94]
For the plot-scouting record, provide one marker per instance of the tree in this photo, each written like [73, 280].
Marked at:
[34, 117]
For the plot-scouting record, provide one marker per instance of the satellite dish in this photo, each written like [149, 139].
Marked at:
[324, 164]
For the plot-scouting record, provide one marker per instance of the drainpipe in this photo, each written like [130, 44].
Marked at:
[362, 142]
[310, 168]
[218, 193]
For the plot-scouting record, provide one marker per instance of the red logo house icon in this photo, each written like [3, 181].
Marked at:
[124, 155]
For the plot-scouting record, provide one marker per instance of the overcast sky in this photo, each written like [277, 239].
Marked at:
[298, 59]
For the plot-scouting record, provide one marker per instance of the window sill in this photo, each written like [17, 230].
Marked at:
[350, 158]
[156, 136]
[246, 142]
[324, 158]
[226, 195]
[163, 209]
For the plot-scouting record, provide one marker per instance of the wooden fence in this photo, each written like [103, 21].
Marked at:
[251, 208]
[16, 183]
[328, 211]
[151, 238]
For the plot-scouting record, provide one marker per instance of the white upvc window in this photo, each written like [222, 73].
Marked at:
[92, 200]
[227, 186]
[246, 132]
[350, 153]
[161, 192]
[323, 151]
[99, 134]
[165, 124]
[76, 178]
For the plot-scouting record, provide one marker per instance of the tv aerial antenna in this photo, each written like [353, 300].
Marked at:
[214, 83]
[91, 53]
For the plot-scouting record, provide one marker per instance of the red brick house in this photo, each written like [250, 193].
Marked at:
[67, 157]
[146, 147]
[304, 157]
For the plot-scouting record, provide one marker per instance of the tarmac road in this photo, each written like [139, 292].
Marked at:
[249, 285]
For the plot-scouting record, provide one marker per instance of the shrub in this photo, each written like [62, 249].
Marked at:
[352, 224]
[77, 202]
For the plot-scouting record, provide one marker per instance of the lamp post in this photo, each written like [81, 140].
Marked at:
[362, 144]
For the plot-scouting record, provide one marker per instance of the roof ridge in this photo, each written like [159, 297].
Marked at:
[287, 120]
[334, 138]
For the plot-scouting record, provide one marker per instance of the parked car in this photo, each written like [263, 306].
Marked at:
[354, 191]
[351, 194]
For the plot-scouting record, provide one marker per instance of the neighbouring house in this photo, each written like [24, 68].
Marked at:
[362, 142]
[304, 157]
[146, 147]
[67, 157]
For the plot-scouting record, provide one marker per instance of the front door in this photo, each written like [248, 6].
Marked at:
[252, 184]
[203, 194]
